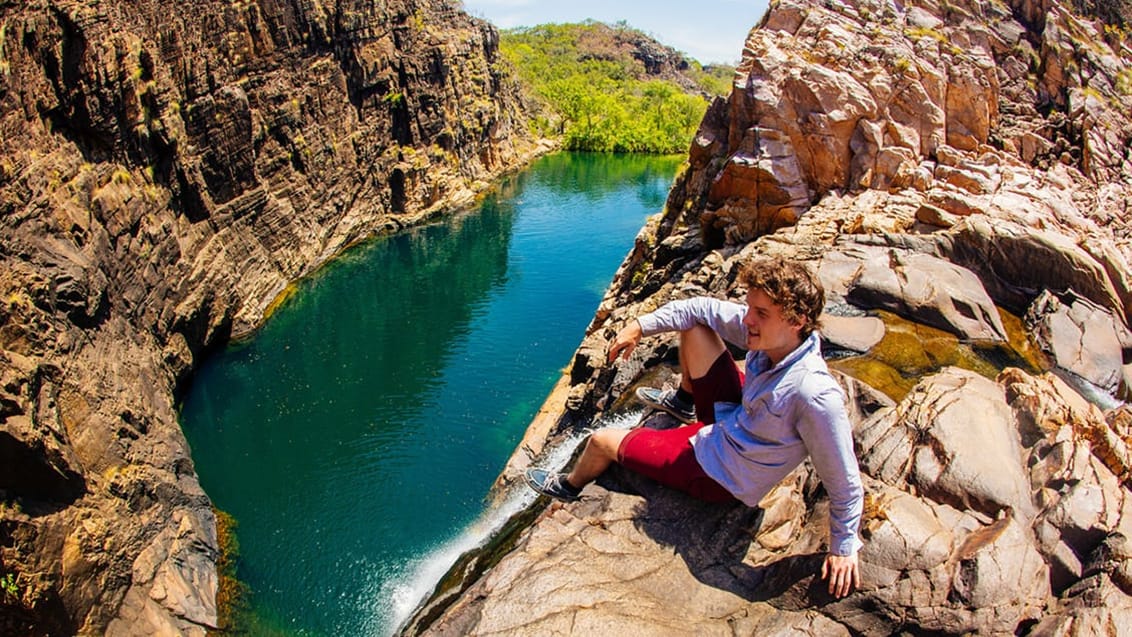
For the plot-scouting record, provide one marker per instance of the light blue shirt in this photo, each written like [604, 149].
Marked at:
[793, 409]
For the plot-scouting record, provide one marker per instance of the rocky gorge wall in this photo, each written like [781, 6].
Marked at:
[166, 171]
[959, 175]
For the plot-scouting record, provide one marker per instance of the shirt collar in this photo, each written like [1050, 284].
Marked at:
[810, 344]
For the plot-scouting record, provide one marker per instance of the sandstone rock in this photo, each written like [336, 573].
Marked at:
[158, 202]
[939, 569]
[961, 135]
[857, 333]
[1081, 337]
[1094, 611]
[1077, 466]
[1001, 571]
[1044, 405]
[772, 178]
[930, 290]
[985, 499]
[954, 440]
[972, 103]
[600, 566]
[1015, 263]
[935, 216]
[37, 466]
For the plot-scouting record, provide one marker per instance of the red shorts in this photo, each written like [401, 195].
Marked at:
[666, 455]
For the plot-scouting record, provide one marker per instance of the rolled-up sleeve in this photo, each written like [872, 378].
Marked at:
[824, 428]
[725, 317]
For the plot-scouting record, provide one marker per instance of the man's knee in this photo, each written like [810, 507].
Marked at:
[607, 442]
[700, 346]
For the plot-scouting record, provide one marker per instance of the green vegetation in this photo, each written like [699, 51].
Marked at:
[713, 80]
[598, 97]
[9, 586]
[1124, 82]
[231, 594]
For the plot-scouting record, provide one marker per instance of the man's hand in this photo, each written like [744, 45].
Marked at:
[842, 573]
[625, 341]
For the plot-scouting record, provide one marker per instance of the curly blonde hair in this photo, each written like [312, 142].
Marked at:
[791, 285]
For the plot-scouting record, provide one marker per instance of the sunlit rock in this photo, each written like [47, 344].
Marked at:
[929, 290]
[1082, 338]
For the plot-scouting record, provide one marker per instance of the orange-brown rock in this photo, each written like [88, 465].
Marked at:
[165, 172]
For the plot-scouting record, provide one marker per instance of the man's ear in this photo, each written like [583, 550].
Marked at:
[797, 326]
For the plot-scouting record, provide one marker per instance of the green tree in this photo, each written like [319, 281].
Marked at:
[600, 96]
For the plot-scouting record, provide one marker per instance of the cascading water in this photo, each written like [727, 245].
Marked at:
[425, 574]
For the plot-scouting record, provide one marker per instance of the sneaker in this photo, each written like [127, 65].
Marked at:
[667, 401]
[552, 484]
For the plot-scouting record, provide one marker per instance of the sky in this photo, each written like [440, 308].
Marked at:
[707, 30]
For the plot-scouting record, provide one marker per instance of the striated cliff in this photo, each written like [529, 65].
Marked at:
[959, 174]
[165, 172]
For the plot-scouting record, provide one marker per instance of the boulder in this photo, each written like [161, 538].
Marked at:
[771, 178]
[929, 290]
[1016, 263]
[856, 333]
[1080, 337]
[1098, 602]
[938, 569]
[954, 440]
[1078, 463]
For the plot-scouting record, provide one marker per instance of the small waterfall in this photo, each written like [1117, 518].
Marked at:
[407, 594]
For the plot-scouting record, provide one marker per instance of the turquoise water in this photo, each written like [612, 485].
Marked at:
[360, 429]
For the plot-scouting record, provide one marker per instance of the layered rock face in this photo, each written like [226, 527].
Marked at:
[165, 172]
[958, 174]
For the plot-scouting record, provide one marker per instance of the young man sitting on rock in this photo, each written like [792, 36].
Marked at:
[756, 425]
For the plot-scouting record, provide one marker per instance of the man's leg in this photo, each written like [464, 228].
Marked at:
[600, 452]
[663, 455]
[700, 347]
[708, 373]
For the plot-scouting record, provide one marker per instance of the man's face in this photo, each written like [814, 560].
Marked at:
[767, 330]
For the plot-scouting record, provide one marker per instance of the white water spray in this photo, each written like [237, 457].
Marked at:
[406, 595]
